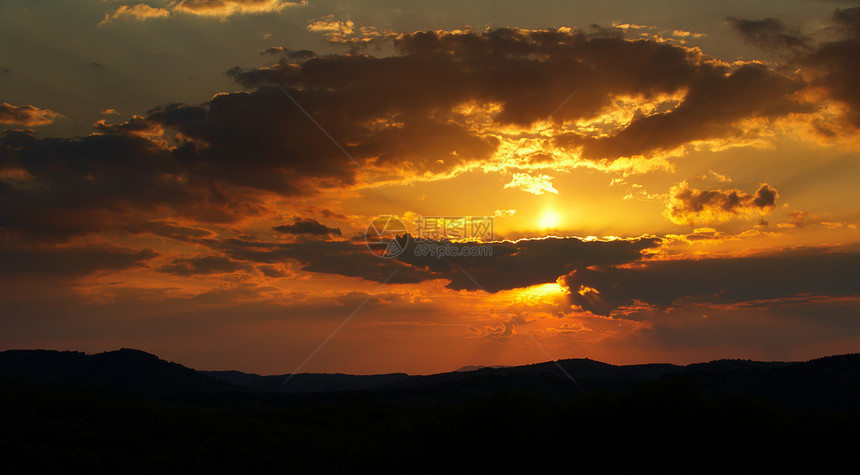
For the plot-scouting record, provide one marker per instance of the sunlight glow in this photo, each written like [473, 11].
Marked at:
[549, 220]
[552, 289]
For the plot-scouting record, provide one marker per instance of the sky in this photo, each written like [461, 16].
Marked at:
[379, 186]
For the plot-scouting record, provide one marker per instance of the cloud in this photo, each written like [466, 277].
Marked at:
[717, 102]
[605, 290]
[26, 115]
[511, 264]
[529, 75]
[830, 66]
[225, 8]
[798, 218]
[202, 265]
[141, 11]
[69, 262]
[206, 8]
[169, 230]
[332, 27]
[272, 271]
[527, 262]
[837, 66]
[137, 125]
[82, 185]
[307, 226]
[534, 184]
[691, 206]
[772, 34]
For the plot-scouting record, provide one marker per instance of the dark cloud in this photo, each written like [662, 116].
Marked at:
[772, 34]
[716, 281]
[526, 262]
[137, 125]
[258, 140]
[73, 184]
[327, 213]
[530, 74]
[832, 64]
[307, 226]
[837, 65]
[282, 151]
[202, 266]
[25, 115]
[716, 101]
[169, 230]
[693, 207]
[328, 257]
[848, 21]
[272, 271]
[510, 265]
[69, 262]
[798, 218]
[88, 184]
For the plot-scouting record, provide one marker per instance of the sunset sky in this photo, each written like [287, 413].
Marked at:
[669, 181]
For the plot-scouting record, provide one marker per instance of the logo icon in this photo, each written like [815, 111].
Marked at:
[386, 236]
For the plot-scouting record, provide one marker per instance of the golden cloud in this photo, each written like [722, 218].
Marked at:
[534, 184]
[25, 115]
[207, 8]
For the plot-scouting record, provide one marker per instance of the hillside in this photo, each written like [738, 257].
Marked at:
[831, 383]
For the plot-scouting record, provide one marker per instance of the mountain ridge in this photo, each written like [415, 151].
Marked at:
[831, 382]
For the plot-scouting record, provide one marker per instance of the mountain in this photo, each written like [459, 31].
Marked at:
[121, 370]
[309, 382]
[69, 411]
[466, 369]
[831, 383]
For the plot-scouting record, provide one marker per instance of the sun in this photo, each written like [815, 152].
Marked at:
[549, 220]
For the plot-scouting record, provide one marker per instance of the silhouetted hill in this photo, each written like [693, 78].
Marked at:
[309, 382]
[831, 383]
[123, 370]
[662, 425]
[128, 411]
[467, 368]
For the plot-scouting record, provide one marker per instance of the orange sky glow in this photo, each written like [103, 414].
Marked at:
[660, 190]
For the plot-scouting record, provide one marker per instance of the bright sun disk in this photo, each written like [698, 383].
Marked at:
[549, 220]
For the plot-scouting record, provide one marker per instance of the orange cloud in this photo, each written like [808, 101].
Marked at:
[331, 26]
[534, 184]
[207, 8]
[225, 8]
[25, 115]
[141, 11]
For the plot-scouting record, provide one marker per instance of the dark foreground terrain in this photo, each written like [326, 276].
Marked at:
[129, 412]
